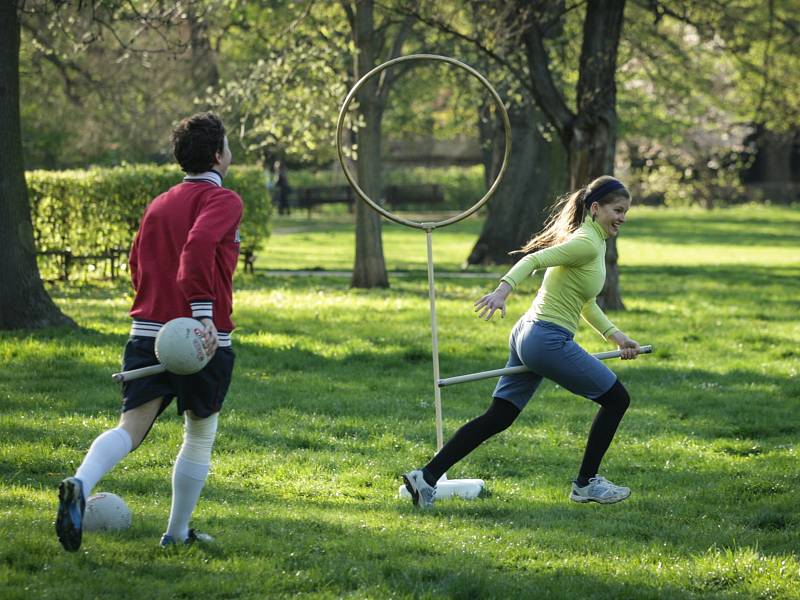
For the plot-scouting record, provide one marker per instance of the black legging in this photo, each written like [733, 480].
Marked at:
[497, 418]
[613, 405]
[502, 413]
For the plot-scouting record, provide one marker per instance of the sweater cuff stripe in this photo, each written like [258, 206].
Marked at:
[202, 309]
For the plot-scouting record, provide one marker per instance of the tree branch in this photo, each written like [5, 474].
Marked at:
[542, 86]
[349, 13]
[446, 28]
[387, 79]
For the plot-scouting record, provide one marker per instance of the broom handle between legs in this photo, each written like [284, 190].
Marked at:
[138, 373]
[523, 369]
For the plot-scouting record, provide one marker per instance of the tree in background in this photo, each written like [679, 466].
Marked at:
[103, 83]
[374, 43]
[24, 303]
[703, 90]
[588, 132]
[281, 78]
[286, 103]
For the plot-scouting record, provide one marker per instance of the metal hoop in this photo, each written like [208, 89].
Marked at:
[389, 215]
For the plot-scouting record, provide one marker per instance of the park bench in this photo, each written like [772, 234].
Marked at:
[309, 197]
[415, 193]
[421, 194]
[114, 257]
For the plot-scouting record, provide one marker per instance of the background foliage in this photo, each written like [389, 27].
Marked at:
[693, 81]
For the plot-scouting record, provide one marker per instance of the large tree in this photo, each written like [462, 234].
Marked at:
[534, 176]
[287, 101]
[536, 170]
[369, 269]
[102, 83]
[24, 303]
[373, 42]
[588, 132]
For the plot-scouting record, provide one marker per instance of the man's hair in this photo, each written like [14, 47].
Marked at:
[195, 141]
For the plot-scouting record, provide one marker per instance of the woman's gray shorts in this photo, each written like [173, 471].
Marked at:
[549, 350]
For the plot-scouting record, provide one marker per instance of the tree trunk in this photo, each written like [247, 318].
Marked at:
[593, 136]
[370, 267]
[520, 204]
[589, 134]
[591, 154]
[24, 303]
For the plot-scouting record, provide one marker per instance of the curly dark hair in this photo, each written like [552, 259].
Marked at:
[195, 141]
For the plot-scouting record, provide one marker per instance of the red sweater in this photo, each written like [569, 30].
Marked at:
[184, 255]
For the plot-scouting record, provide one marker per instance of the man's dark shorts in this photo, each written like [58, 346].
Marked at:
[203, 393]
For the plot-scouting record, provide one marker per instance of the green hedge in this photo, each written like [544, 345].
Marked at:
[92, 215]
[462, 186]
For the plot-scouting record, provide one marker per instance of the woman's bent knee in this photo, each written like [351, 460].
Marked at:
[616, 398]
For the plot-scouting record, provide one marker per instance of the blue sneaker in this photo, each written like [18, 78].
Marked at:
[194, 536]
[69, 520]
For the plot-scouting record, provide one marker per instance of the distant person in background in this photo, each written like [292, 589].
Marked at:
[281, 187]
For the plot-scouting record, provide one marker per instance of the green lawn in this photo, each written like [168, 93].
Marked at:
[332, 400]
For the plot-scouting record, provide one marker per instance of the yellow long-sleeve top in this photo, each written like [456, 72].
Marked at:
[576, 271]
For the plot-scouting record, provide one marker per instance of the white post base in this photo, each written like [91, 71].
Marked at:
[468, 489]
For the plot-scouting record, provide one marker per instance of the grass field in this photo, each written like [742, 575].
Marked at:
[332, 400]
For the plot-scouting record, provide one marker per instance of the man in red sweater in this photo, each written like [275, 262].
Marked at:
[182, 264]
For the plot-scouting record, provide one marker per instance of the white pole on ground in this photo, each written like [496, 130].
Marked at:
[445, 488]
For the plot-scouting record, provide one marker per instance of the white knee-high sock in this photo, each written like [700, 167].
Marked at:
[190, 472]
[105, 452]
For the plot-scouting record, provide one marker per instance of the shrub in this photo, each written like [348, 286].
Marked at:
[88, 217]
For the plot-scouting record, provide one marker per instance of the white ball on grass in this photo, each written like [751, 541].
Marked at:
[106, 512]
[179, 346]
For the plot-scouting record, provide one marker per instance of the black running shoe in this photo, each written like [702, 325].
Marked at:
[194, 536]
[69, 520]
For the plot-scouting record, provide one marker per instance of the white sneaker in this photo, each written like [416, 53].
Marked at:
[421, 492]
[599, 490]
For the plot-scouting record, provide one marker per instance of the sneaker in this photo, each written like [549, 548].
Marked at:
[194, 536]
[69, 520]
[599, 490]
[421, 492]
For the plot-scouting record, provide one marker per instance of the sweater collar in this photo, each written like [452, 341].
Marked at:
[595, 226]
[207, 177]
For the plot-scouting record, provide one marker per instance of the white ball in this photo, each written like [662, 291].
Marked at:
[179, 346]
[106, 512]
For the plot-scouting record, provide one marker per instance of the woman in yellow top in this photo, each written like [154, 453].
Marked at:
[572, 249]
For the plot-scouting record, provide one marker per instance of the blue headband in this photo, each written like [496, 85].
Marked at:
[603, 190]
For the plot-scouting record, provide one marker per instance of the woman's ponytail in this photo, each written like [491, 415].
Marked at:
[566, 216]
[570, 210]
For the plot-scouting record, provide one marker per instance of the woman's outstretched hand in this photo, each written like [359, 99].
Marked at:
[629, 348]
[486, 305]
